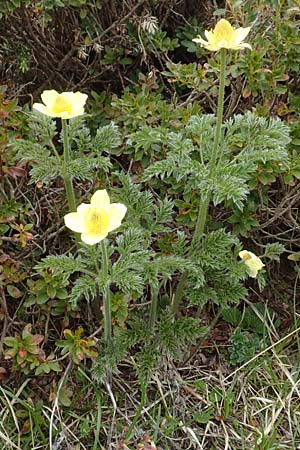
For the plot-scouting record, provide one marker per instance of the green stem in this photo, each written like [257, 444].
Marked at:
[153, 308]
[204, 201]
[54, 150]
[212, 162]
[66, 160]
[201, 221]
[138, 413]
[106, 294]
[179, 293]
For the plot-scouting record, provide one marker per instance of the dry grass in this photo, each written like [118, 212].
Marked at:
[256, 406]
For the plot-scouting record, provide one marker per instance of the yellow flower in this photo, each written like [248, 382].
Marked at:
[95, 220]
[65, 105]
[224, 36]
[253, 262]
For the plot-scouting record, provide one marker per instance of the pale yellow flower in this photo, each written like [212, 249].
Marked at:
[224, 36]
[65, 105]
[95, 220]
[253, 262]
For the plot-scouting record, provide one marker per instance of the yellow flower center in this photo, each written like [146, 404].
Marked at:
[62, 104]
[96, 221]
[246, 257]
[223, 31]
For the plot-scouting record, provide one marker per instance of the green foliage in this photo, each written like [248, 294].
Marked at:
[46, 288]
[61, 265]
[48, 365]
[143, 210]
[248, 319]
[111, 354]
[85, 287]
[161, 136]
[24, 350]
[175, 335]
[284, 31]
[248, 141]
[190, 75]
[171, 337]
[115, 55]
[244, 346]
[273, 251]
[160, 42]
[144, 108]
[8, 209]
[136, 267]
[119, 307]
[107, 139]
[252, 138]
[219, 276]
[12, 273]
[86, 154]
[250, 335]
[219, 289]
[246, 220]
[77, 347]
[216, 249]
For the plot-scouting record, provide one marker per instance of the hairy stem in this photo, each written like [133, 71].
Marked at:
[138, 413]
[106, 294]
[153, 308]
[204, 201]
[179, 293]
[66, 160]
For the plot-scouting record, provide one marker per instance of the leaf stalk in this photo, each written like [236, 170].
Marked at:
[204, 201]
[66, 160]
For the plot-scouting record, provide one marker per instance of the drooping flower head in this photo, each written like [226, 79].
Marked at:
[253, 262]
[95, 220]
[65, 105]
[224, 36]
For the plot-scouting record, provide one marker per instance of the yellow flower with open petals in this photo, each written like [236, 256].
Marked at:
[253, 262]
[65, 105]
[95, 220]
[224, 36]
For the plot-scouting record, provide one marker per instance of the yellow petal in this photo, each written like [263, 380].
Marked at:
[223, 28]
[245, 45]
[209, 35]
[212, 47]
[43, 109]
[83, 208]
[224, 36]
[252, 272]
[49, 97]
[241, 33]
[75, 222]
[92, 238]
[253, 266]
[76, 113]
[79, 100]
[199, 40]
[65, 105]
[253, 262]
[73, 103]
[117, 212]
[100, 199]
